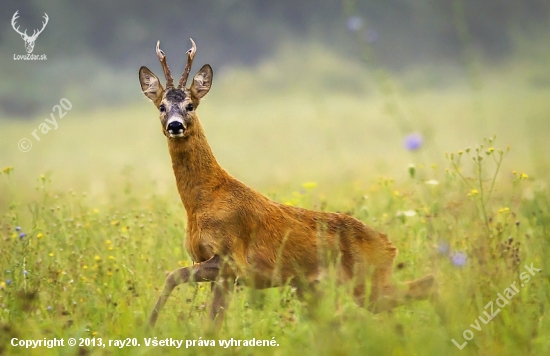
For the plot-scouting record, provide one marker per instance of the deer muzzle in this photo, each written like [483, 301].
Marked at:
[175, 127]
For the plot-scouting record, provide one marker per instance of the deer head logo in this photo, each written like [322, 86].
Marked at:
[29, 40]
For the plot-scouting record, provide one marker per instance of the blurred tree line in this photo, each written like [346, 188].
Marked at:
[95, 48]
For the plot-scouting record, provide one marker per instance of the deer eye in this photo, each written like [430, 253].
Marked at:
[189, 107]
[162, 108]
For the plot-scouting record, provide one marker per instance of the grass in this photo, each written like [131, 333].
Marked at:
[96, 199]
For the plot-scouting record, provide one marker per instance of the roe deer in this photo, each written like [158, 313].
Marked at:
[234, 232]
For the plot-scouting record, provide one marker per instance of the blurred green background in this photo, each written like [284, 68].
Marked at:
[323, 105]
[303, 91]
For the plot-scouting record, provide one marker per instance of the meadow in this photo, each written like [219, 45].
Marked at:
[91, 222]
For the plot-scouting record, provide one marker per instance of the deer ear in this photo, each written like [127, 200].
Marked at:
[202, 82]
[150, 85]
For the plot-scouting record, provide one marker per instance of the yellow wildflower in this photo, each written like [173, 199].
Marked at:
[7, 169]
[183, 263]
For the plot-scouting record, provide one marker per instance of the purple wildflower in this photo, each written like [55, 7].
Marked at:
[8, 282]
[413, 141]
[459, 258]
[49, 308]
[22, 235]
[25, 272]
[355, 23]
[17, 228]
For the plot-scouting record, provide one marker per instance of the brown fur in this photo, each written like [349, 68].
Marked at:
[234, 232]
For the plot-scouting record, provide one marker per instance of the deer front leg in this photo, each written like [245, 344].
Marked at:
[221, 290]
[201, 272]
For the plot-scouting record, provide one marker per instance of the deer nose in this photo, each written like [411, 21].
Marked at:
[175, 128]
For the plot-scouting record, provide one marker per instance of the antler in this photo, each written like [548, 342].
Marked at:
[162, 59]
[190, 55]
[13, 19]
[35, 33]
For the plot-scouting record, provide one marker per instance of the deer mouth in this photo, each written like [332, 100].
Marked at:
[175, 127]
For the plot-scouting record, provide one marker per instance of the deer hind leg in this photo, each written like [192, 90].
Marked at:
[385, 295]
[379, 253]
[310, 294]
[421, 288]
[201, 272]
[391, 297]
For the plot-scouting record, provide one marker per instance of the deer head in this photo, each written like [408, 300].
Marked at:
[29, 40]
[176, 105]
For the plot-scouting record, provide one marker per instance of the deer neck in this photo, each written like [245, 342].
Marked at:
[196, 169]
